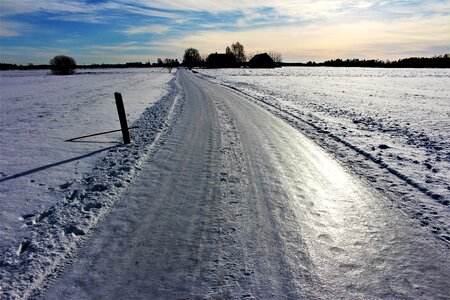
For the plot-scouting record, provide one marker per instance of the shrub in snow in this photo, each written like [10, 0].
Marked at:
[62, 65]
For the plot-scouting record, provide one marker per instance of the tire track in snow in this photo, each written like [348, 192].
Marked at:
[366, 154]
[162, 238]
[250, 249]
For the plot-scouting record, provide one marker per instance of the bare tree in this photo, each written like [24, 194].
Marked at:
[238, 50]
[204, 57]
[169, 64]
[276, 56]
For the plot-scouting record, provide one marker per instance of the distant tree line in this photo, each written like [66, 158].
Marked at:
[441, 61]
[65, 65]
[192, 58]
[4, 66]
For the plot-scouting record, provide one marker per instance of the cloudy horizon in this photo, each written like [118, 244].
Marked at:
[112, 31]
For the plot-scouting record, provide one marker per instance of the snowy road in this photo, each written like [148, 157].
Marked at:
[238, 204]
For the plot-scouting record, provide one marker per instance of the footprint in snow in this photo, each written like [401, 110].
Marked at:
[66, 185]
[74, 230]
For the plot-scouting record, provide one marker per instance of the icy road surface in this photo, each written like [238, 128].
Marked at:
[237, 203]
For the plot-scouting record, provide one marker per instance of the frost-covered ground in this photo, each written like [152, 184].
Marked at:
[391, 126]
[38, 112]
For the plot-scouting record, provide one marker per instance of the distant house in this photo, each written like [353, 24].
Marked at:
[221, 60]
[262, 60]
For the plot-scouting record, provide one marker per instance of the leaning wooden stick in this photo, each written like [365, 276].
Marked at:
[122, 118]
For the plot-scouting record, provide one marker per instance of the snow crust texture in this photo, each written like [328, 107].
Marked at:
[391, 127]
[54, 233]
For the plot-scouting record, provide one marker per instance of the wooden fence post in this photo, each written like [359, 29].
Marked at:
[122, 118]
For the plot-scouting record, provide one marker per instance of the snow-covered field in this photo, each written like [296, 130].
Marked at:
[38, 112]
[390, 126]
[238, 204]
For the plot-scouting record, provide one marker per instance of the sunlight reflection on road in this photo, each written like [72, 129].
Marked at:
[355, 239]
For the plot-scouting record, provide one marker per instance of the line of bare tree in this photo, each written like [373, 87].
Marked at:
[66, 65]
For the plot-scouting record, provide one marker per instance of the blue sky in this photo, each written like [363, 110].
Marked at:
[110, 31]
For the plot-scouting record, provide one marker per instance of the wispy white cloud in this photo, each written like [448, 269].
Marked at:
[11, 28]
[152, 29]
[122, 47]
[14, 7]
[32, 54]
[80, 18]
[407, 7]
[60, 10]
[298, 9]
[175, 9]
[302, 9]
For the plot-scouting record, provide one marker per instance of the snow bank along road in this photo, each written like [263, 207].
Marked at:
[238, 204]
